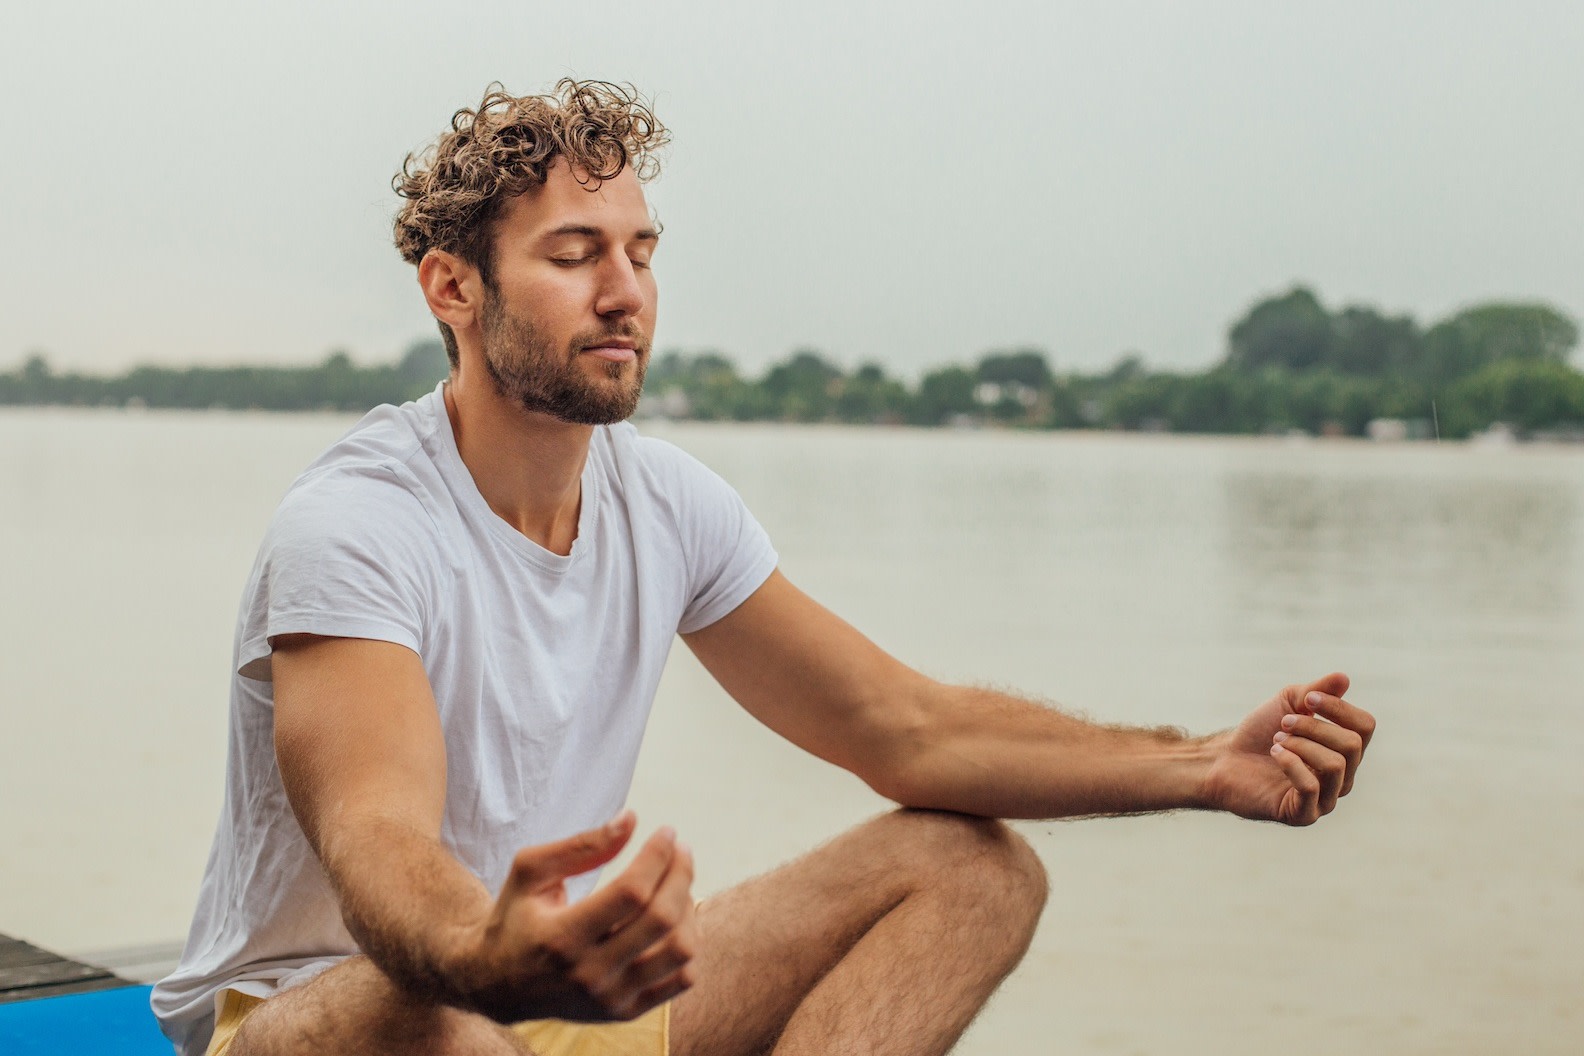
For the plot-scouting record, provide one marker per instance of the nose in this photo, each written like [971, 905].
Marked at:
[619, 291]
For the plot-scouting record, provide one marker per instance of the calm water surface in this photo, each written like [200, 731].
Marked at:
[1139, 579]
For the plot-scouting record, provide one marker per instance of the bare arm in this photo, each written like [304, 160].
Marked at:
[814, 679]
[362, 757]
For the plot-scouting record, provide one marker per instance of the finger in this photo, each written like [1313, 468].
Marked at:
[1335, 684]
[1339, 711]
[1347, 743]
[1301, 804]
[629, 990]
[664, 935]
[1327, 765]
[541, 866]
[622, 973]
[661, 962]
[626, 896]
[674, 985]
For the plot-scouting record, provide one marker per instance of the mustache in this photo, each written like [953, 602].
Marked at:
[594, 339]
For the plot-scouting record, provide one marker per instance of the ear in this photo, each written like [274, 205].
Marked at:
[452, 287]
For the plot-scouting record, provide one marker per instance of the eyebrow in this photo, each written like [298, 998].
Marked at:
[648, 234]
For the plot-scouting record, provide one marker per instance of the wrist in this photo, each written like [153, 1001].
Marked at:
[460, 958]
[1209, 749]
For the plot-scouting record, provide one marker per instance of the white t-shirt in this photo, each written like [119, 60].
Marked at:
[543, 666]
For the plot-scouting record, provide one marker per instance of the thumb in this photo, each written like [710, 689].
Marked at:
[548, 864]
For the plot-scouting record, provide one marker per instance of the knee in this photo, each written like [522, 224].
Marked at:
[1004, 868]
[354, 1007]
[998, 867]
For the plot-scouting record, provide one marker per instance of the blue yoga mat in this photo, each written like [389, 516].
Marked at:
[104, 1023]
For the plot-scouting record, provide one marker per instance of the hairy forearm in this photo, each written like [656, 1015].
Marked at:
[981, 752]
[409, 904]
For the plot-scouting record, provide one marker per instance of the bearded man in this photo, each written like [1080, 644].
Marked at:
[447, 652]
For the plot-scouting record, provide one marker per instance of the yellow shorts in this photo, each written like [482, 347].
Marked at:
[648, 1035]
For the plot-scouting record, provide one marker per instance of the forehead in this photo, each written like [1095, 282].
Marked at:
[616, 206]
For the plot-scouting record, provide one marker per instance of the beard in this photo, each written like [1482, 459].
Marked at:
[530, 371]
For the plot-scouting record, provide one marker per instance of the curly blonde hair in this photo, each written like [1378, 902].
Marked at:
[456, 188]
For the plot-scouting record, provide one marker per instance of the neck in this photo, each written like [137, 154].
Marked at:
[528, 466]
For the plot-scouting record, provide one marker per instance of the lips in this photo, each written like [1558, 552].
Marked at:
[613, 353]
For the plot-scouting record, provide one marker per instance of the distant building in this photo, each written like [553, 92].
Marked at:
[1497, 434]
[990, 393]
[1395, 430]
[672, 403]
[1387, 430]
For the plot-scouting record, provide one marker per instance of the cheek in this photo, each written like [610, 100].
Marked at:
[553, 301]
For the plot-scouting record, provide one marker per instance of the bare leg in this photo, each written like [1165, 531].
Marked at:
[889, 939]
[353, 1009]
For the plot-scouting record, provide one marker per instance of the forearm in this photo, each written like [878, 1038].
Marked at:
[981, 752]
[415, 910]
[528, 953]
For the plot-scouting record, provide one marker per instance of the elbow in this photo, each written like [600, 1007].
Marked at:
[889, 782]
[897, 764]
[912, 782]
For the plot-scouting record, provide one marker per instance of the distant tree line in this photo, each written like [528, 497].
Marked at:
[337, 384]
[1290, 364]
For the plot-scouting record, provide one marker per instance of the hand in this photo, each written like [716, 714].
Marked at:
[615, 955]
[1293, 757]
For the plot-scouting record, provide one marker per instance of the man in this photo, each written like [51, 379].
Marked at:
[446, 656]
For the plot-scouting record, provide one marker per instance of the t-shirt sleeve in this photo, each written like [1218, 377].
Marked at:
[729, 555]
[346, 556]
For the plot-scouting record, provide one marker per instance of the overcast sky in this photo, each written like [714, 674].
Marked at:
[912, 183]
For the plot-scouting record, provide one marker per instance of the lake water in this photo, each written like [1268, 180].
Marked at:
[1139, 579]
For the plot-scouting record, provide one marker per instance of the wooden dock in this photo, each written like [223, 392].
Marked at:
[96, 1004]
[28, 972]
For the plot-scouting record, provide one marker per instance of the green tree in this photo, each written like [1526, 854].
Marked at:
[36, 371]
[804, 387]
[1023, 366]
[713, 389]
[1128, 368]
[1292, 331]
[943, 394]
[1219, 401]
[1014, 385]
[1527, 394]
[870, 397]
[1137, 401]
[1364, 342]
[1497, 332]
[424, 364]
